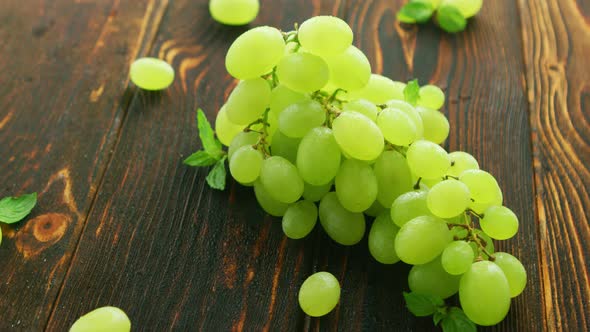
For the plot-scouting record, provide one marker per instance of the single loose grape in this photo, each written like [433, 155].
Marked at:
[319, 294]
[378, 90]
[281, 179]
[242, 139]
[362, 106]
[356, 185]
[411, 112]
[267, 202]
[358, 136]
[299, 219]
[318, 156]
[376, 209]
[225, 129]
[382, 239]
[409, 206]
[344, 227]
[513, 270]
[234, 12]
[460, 162]
[448, 198]
[103, 319]
[393, 177]
[428, 160]
[255, 53]
[325, 35]
[316, 193]
[436, 125]
[349, 70]
[422, 239]
[432, 279]
[303, 72]
[284, 146]
[245, 164]
[468, 8]
[484, 293]
[281, 97]
[457, 257]
[397, 127]
[499, 222]
[151, 74]
[298, 119]
[482, 185]
[432, 97]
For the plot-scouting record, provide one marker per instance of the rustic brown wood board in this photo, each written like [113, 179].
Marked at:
[121, 221]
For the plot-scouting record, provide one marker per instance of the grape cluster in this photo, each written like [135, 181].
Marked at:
[319, 136]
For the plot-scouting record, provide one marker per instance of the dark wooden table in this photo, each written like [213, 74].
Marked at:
[121, 221]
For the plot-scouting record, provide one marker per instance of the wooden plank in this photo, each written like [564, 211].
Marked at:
[556, 42]
[159, 243]
[481, 71]
[60, 112]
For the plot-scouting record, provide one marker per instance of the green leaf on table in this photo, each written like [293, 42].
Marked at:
[439, 315]
[216, 177]
[412, 92]
[210, 144]
[416, 11]
[450, 19]
[14, 209]
[457, 321]
[200, 158]
[421, 304]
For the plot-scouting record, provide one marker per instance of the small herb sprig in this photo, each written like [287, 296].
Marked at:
[450, 319]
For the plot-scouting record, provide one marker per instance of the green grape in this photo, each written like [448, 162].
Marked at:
[422, 239]
[316, 193]
[299, 219]
[513, 270]
[411, 112]
[248, 101]
[432, 279]
[409, 206]
[481, 184]
[356, 185]
[397, 127]
[468, 8]
[267, 203]
[281, 179]
[448, 198]
[432, 97]
[245, 164]
[397, 92]
[378, 90]
[242, 139]
[303, 72]
[299, 118]
[436, 125]
[358, 136]
[234, 12]
[428, 160]
[428, 183]
[255, 53]
[499, 222]
[284, 146]
[344, 227]
[325, 35]
[151, 74]
[393, 177]
[382, 239]
[349, 70]
[480, 207]
[375, 209]
[319, 294]
[362, 106]
[271, 127]
[318, 156]
[484, 293]
[281, 97]
[103, 319]
[457, 257]
[225, 129]
[461, 161]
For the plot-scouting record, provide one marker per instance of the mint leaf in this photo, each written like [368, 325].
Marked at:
[450, 19]
[422, 305]
[200, 158]
[438, 316]
[216, 177]
[14, 209]
[412, 92]
[456, 321]
[418, 11]
[206, 134]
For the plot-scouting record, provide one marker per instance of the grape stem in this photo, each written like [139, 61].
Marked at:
[417, 185]
[472, 236]
[262, 143]
[480, 216]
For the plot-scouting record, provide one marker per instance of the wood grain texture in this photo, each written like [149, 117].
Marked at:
[160, 244]
[59, 118]
[556, 41]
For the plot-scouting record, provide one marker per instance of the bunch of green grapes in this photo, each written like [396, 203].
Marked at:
[320, 137]
[450, 15]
